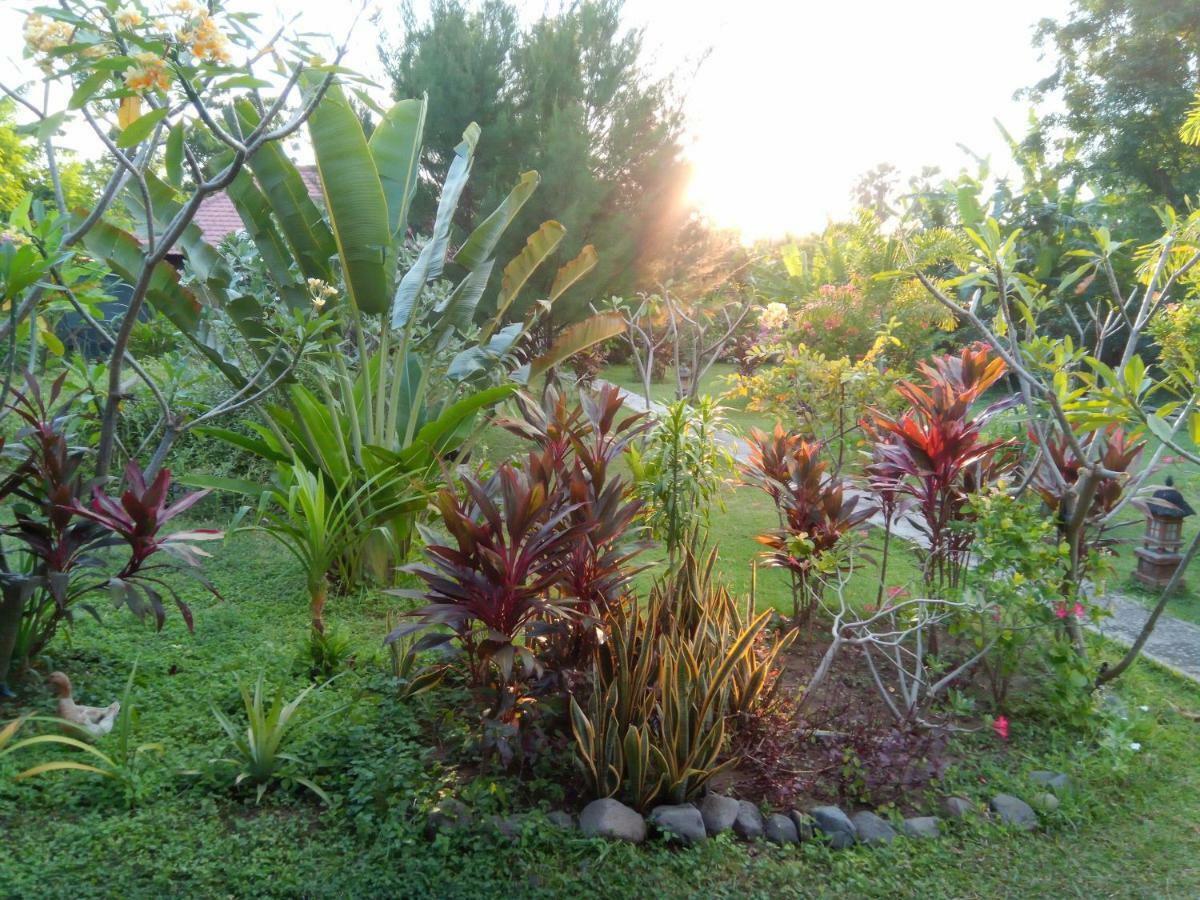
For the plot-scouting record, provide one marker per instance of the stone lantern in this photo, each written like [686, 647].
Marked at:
[1159, 555]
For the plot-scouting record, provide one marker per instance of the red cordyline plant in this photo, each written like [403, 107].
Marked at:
[815, 512]
[57, 561]
[1119, 455]
[493, 584]
[578, 445]
[935, 453]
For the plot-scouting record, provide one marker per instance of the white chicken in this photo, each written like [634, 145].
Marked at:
[91, 720]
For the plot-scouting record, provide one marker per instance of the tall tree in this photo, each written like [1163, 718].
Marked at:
[567, 95]
[1127, 71]
[16, 160]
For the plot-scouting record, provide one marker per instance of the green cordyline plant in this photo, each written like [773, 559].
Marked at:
[264, 748]
[679, 472]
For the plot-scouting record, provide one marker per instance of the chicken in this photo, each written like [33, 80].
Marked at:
[91, 720]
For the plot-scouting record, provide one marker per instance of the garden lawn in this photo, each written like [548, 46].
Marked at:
[1128, 829]
[715, 383]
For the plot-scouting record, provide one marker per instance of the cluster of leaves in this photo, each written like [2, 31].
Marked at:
[935, 453]
[828, 395]
[58, 560]
[1015, 605]
[537, 560]
[676, 676]
[816, 514]
[679, 471]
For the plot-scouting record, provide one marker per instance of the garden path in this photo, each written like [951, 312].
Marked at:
[1174, 643]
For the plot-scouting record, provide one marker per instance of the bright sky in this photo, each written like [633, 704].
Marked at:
[797, 99]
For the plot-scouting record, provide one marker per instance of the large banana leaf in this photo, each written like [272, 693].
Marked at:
[358, 209]
[569, 274]
[122, 252]
[575, 338]
[255, 212]
[537, 247]
[396, 147]
[458, 309]
[432, 257]
[299, 218]
[483, 240]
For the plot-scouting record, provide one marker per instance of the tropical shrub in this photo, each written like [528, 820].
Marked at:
[511, 544]
[936, 454]
[678, 473]
[1016, 608]
[665, 686]
[816, 515]
[828, 395]
[581, 446]
[408, 368]
[52, 556]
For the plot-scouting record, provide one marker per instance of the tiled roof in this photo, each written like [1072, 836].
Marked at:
[217, 218]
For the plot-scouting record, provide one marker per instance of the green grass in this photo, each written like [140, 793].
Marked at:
[715, 383]
[1127, 831]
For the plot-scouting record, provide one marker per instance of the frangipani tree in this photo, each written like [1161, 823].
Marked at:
[1075, 392]
[147, 79]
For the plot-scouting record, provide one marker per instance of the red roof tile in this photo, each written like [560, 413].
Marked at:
[217, 218]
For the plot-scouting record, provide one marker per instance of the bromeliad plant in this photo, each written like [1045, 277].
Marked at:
[816, 515]
[265, 749]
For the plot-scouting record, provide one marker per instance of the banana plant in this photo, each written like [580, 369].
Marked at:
[393, 397]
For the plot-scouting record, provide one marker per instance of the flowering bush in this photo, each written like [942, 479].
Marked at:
[1015, 605]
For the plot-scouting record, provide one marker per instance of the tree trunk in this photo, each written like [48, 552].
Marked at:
[12, 602]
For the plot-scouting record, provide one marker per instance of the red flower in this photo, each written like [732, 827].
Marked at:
[1000, 726]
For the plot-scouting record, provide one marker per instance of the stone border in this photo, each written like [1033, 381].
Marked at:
[689, 824]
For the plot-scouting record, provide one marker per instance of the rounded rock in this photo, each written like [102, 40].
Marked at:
[1014, 811]
[781, 829]
[609, 818]
[873, 830]
[749, 822]
[1046, 802]
[835, 825]
[719, 813]
[958, 808]
[682, 823]
[1055, 781]
[806, 825]
[922, 827]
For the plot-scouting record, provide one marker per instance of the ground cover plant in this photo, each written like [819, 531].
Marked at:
[783, 577]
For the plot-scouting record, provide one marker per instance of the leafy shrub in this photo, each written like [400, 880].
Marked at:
[52, 569]
[815, 514]
[665, 686]
[1017, 608]
[936, 454]
[679, 472]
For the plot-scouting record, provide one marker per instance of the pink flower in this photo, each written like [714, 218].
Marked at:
[1000, 726]
[1061, 610]
[1078, 611]
[897, 591]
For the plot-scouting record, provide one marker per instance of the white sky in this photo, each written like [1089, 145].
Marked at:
[797, 99]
